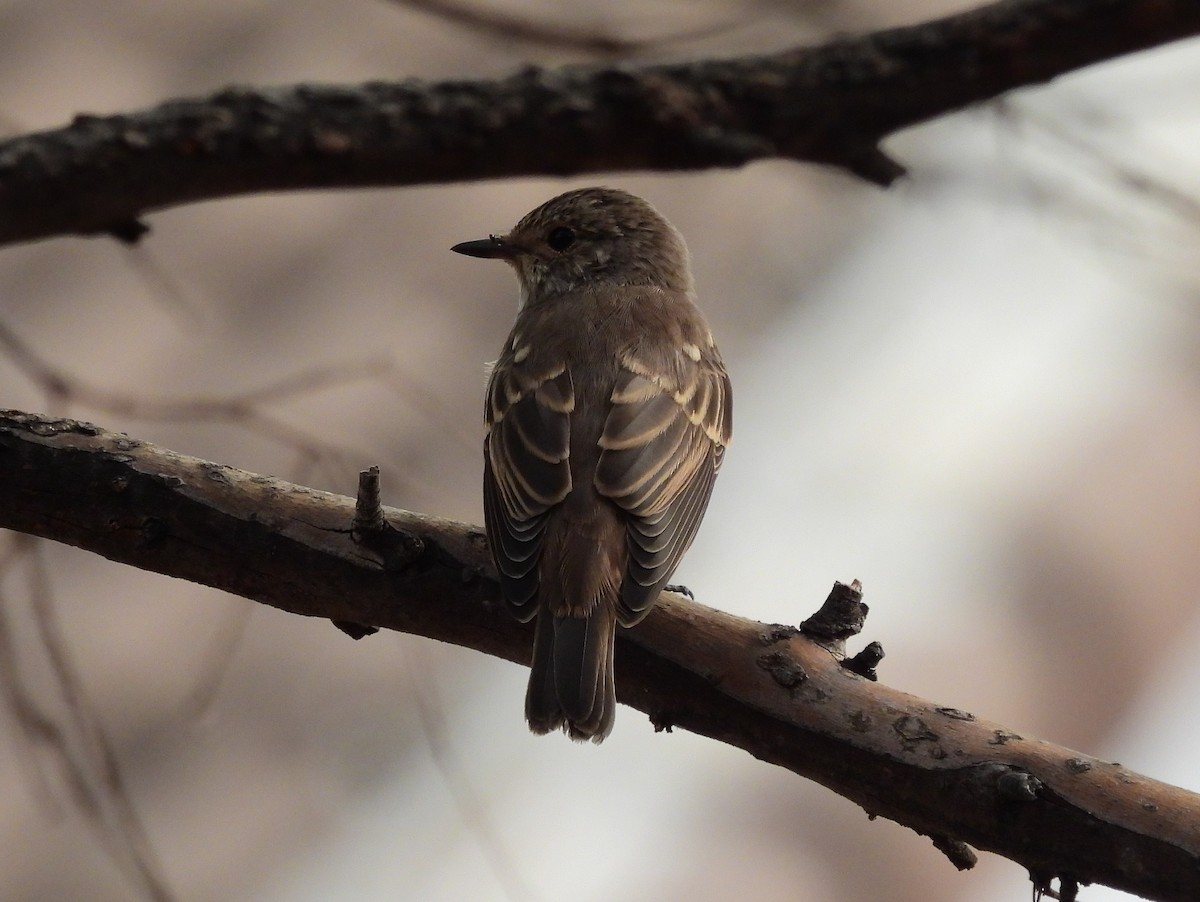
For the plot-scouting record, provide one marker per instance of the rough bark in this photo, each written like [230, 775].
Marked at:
[780, 694]
[830, 104]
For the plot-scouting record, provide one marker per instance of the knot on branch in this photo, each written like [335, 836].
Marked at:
[1018, 786]
[960, 854]
[786, 671]
[865, 662]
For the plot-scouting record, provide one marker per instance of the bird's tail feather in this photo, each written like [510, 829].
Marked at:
[571, 679]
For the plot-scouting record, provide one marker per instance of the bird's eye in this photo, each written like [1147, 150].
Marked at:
[561, 238]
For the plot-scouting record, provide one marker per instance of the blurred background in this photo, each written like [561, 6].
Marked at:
[978, 392]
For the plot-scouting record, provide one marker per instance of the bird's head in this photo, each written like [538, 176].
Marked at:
[589, 237]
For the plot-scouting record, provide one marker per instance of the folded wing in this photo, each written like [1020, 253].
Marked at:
[526, 471]
[663, 443]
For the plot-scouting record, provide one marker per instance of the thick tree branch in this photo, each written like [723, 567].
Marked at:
[768, 689]
[830, 104]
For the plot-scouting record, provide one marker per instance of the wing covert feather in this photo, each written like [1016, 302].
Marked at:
[662, 446]
[526, 471]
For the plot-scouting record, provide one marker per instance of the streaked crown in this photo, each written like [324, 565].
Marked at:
[593, 236]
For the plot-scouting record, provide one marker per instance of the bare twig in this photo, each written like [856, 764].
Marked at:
[217, 660]
[33, 724]
[472, 810]
[244, 409]
[60, 386]
[79, 743]
[510, 27]
[120, 820]
[1137, 179]
[162, 285]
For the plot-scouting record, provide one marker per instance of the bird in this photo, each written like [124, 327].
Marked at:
[607, 417]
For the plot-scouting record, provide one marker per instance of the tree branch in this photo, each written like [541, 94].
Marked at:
[831, 104]
[779, 694]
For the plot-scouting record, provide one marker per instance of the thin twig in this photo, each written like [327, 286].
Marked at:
[86, 757]
[472, 809]
[495, 23]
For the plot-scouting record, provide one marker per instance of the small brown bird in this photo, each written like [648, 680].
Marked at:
[608, 414]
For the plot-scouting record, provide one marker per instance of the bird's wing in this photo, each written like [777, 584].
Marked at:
[663, 443]
[526, 470]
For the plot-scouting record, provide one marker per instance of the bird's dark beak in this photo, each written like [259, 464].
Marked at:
[493, 248]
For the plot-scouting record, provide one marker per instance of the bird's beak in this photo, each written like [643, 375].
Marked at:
[494, 247]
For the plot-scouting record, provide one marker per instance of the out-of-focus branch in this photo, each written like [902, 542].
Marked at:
[71, 732]
[247, 410]
[530, 30]
[830, 104]
[771, 690]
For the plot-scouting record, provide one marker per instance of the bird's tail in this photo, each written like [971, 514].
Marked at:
[571, 679]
